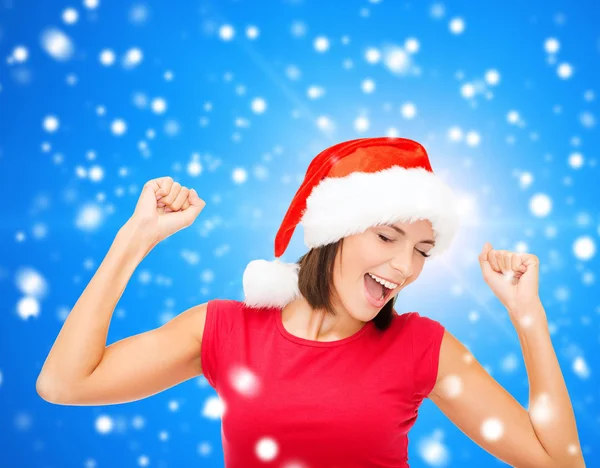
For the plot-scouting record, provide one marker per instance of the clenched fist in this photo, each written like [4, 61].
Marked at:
[513, 277]
[165, 207]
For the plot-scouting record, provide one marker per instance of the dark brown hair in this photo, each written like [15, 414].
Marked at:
[315, 281]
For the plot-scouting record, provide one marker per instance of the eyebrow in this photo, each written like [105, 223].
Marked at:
[401, 231]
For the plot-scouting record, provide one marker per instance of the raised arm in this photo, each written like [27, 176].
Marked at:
[80, 368]
[544, 435]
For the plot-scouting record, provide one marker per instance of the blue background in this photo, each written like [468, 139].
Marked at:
[250, 172]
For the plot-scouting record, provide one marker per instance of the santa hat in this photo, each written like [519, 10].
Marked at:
[348, 188]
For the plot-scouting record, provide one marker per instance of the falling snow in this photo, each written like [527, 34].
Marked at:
[433, 451]
[107, 57]
[57, 44]
[492, 429]
[132, 57]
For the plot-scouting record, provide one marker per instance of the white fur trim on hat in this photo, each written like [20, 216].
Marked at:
[270, 284]
[343, 206]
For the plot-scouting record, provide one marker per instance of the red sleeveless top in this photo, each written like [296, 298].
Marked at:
[297, 403]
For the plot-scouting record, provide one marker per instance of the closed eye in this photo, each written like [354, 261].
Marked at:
[386, 240]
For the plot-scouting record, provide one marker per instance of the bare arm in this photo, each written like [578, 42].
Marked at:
[544, 436]
[142, 365]
[81, 343]
[80, 368]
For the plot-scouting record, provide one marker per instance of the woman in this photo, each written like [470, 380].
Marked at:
[315, 368]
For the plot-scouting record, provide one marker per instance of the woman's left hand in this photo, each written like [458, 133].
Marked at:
[513, 277]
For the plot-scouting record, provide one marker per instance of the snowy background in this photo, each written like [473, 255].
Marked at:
[234, 98]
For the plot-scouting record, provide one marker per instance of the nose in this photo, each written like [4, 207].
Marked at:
[403, 263]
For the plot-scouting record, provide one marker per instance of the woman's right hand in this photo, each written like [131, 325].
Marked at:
[165, 207]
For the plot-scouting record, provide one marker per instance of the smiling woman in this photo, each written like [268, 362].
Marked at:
[314, 368]
[379, 199]
[331, 204]
[330, 317]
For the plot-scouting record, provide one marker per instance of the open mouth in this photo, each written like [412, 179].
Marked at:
[377, 290]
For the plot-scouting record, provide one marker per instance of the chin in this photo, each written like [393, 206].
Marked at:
[366, 312]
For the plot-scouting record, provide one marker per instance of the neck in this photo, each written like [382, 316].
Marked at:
[300, 319]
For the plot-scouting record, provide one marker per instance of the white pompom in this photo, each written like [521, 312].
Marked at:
[270, 284]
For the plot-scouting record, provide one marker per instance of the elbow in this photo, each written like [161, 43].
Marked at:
[50, 392]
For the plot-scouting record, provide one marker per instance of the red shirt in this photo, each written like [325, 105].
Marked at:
[290, 402]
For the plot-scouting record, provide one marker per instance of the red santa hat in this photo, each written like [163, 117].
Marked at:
[348, 188]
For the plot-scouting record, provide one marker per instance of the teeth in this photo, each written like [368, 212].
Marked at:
[387, 284]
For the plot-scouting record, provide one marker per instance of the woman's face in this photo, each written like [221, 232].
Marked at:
[397, 259]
